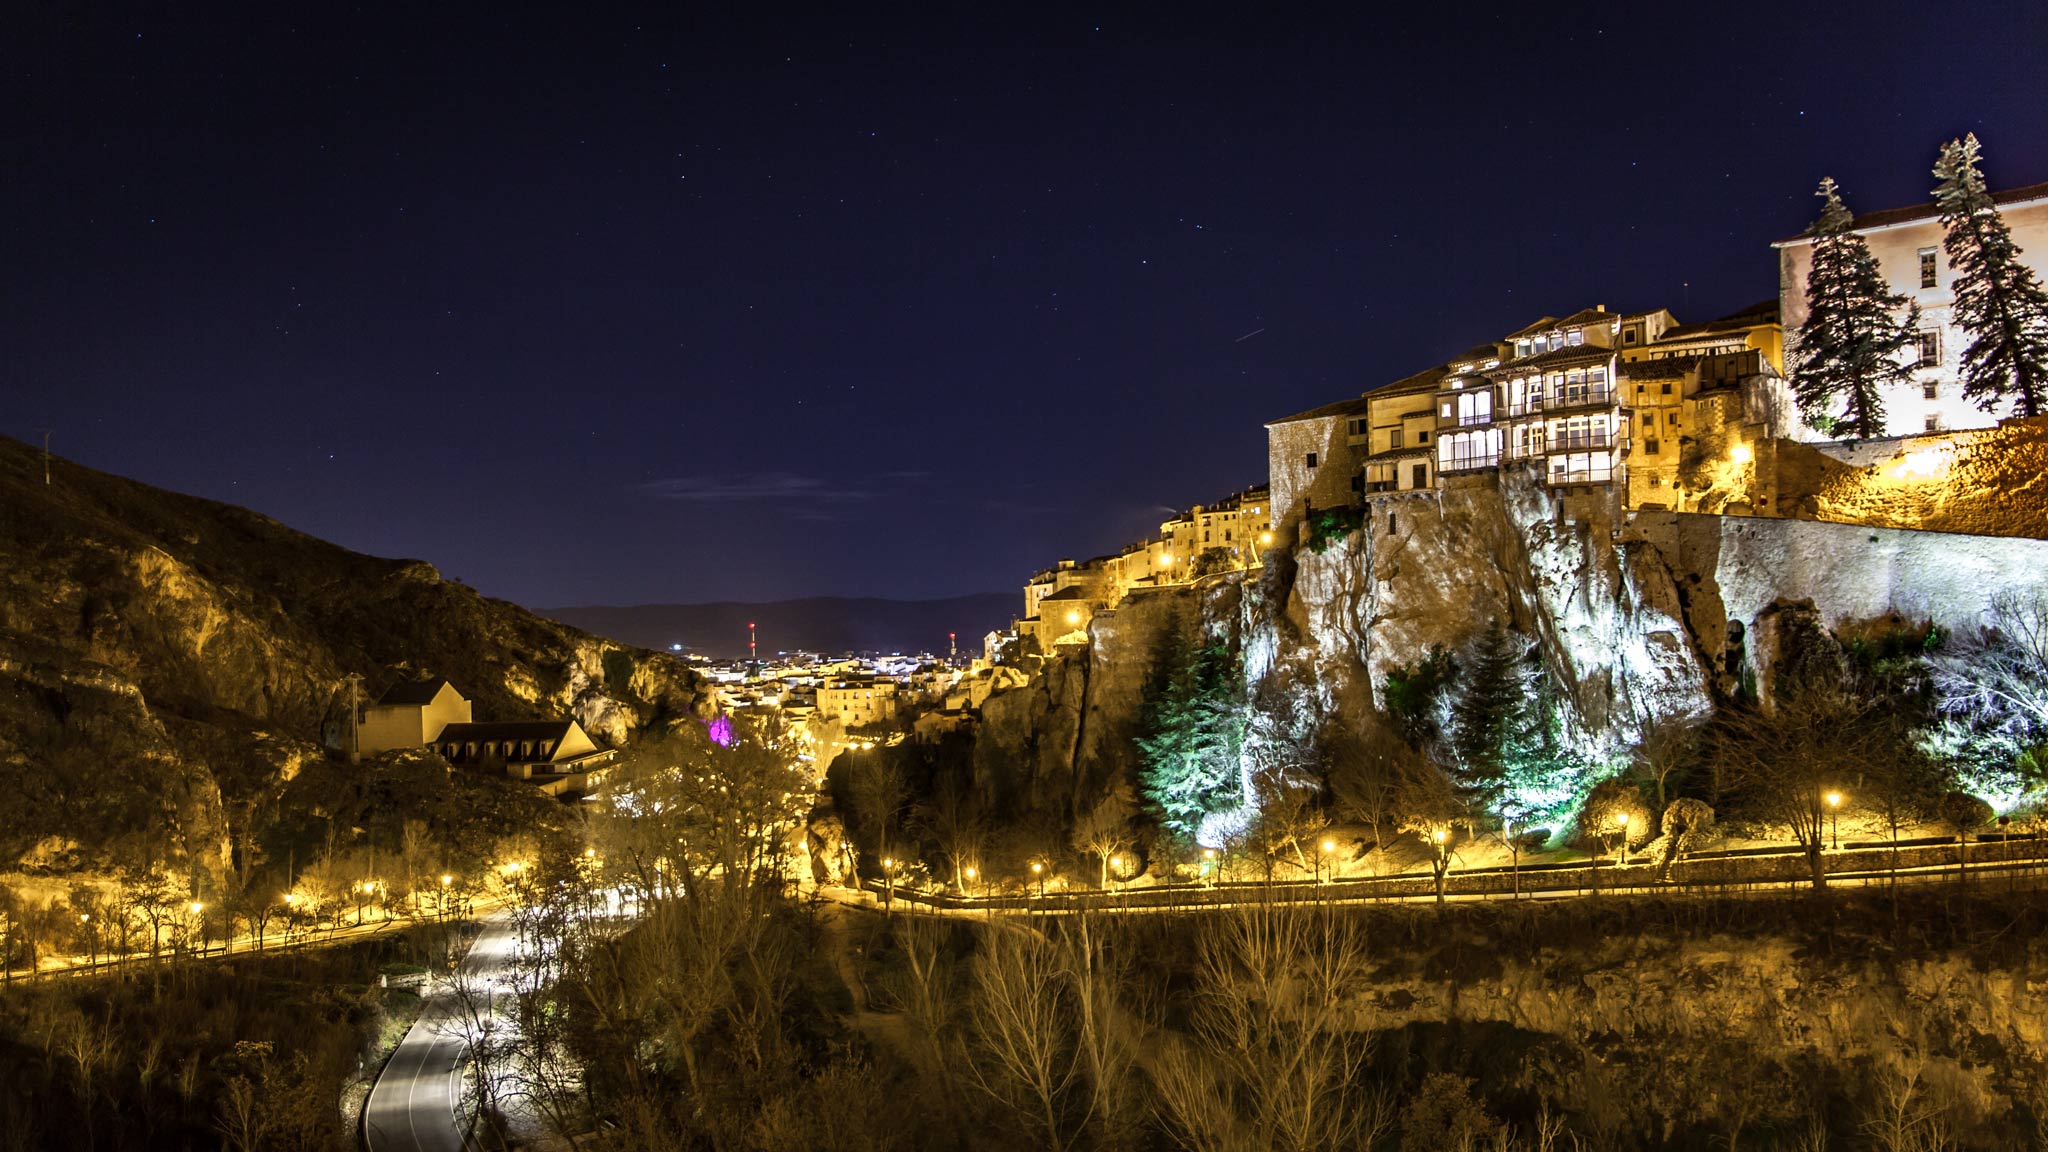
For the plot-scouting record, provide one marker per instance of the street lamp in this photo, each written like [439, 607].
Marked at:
[1622, 820]
[1325, 863]
[888, 883]
[1209, 866]
[198, 911]
[1442, 863]
[92, 944]
[1835, 818]
[1038, 870]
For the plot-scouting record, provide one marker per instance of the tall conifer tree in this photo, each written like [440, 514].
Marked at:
[1490, 718]
[1999, 301]
[1851, 345]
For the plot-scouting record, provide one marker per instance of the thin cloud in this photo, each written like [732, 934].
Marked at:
[807, 492]
[750, 487]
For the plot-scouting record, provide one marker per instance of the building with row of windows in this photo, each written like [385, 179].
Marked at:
[1635, 410]
[1229, 535]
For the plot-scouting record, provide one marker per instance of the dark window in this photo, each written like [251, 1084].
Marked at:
[1650, 446]
[1667, 388]
[1394, 438]
[1934, 423]
[1927, 276]
[1311, 459]
[1931, 390]
[1421, 475]
[1391, 528]
[1422, 437]
[1930, 348]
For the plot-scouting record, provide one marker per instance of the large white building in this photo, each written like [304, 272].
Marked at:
[1907, 244]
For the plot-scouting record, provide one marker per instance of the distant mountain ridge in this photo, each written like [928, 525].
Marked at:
[816, 624]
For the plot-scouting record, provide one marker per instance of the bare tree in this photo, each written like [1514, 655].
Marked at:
[1022, 1013]
[1104, 831]
[1665, 748]
[1275, 1060]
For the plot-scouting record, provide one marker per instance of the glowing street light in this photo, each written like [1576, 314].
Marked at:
[1622, 820]
[888, 883]
[1834, 800]
[1323, 862]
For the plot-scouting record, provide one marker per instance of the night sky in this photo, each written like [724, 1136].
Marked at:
[900, 301]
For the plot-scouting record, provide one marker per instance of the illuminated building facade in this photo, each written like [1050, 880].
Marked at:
[1908, 245]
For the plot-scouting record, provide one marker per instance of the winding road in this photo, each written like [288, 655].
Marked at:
[413, 1106]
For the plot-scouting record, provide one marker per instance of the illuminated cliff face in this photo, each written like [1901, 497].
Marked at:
[1634, 618]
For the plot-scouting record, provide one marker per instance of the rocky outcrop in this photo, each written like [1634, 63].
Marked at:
[1637, 618]
[1656, 615]
[163, 656]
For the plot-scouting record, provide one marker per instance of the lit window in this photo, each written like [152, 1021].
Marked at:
[1927, 276]
[1576, 338]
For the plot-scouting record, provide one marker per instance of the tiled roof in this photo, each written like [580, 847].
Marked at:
[1423, 381]
[1555, 358]
[1355, 406]
[413, 691]
[1866, 221]
[1542, 324]
[506, 730]
[1072, 592]
[1401, 453]
[1662, 368]
[1579, 319]
[1765, 312]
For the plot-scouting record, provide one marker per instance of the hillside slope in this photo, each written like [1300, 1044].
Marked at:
[165, 658]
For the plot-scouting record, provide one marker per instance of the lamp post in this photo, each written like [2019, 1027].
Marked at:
[92, 941]
[1327, 866]
[1209, 866]
[1038, 871]
[1622, 820]
[199, 913]
[888, 884]
[1834, 800]
[446, 880]
[1442, 837]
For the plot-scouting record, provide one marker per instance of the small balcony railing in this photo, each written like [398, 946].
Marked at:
[1588, 396]
[1469, 463]
[1580, 442]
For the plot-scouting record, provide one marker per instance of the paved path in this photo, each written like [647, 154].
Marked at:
[412, 1107]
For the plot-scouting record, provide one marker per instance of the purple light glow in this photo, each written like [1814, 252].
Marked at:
[720, 729]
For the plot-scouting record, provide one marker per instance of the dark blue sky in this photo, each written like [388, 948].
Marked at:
[620, 307]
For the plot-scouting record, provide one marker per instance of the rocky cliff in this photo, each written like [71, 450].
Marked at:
[1655, 615]
[162, 656]
[1640, 617]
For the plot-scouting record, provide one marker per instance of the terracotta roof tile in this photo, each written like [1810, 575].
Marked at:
[1886, 217]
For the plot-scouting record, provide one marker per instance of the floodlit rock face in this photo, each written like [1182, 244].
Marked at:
[163, 656]
[1059, 741]
[1636, 618]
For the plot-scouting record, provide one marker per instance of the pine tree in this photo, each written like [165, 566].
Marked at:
[1195, 724]
[1999, 301]
[1850, 347]
[1490, 718]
